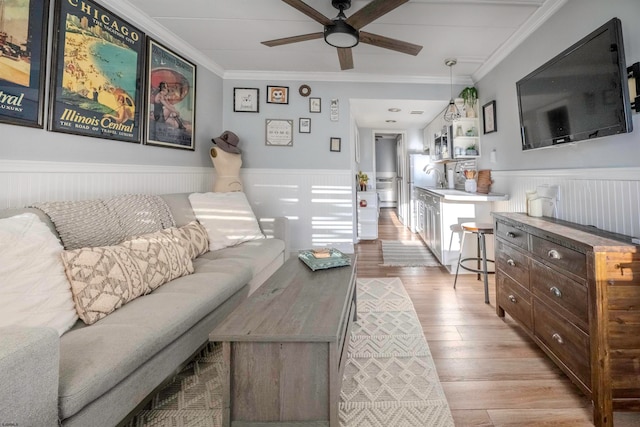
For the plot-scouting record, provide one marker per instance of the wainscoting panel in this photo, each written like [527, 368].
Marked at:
[607, 198]
[318, 203]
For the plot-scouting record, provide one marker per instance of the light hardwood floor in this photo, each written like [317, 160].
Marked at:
[491, 371]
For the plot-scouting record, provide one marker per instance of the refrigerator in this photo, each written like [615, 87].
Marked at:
[418, 178]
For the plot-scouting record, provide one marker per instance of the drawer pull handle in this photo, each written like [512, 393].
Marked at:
[512, 298]
[511, 262]
[511, 234]
[553, 254]
[557, 338]
[555, 291]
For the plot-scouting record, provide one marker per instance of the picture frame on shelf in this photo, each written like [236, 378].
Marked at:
[489, 122]
[304, 125]
[171, 97]
[96, 87]
[24, 89]
[246, 100]
[277, 94]
[315, 105]
[335, 144]
[279, 132]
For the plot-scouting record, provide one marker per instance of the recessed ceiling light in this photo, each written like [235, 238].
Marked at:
[417, 112]
[390, 121]
[394, 110]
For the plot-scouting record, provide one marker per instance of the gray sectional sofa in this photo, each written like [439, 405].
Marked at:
[97, 375]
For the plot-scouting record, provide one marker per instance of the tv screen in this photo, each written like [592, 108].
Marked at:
[580, 94]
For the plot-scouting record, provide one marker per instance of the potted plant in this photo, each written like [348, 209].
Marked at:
[470, 96]
[363, 179]
[471, 150]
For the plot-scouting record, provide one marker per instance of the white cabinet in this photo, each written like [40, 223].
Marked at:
[465, 133]
[367, 202]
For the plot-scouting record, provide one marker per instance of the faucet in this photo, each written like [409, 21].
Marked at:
[442, 180]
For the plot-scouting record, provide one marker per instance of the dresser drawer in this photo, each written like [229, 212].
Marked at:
[565, 340]
[568, 259]
[514, 299]
[560, 291]
[512, 235]
[512, 262]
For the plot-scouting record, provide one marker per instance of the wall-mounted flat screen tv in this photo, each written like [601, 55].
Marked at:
[580, 94]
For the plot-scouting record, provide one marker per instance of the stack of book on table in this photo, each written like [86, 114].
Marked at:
[320, 259]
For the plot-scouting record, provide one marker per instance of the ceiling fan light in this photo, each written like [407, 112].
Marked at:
[341, 34]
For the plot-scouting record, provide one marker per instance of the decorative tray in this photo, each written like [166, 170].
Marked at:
[320, 259]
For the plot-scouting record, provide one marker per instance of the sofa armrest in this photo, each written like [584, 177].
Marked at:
[29, 367]
[278, 228]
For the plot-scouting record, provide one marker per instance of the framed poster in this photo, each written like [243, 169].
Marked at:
[314, 105]
[279, 132]
[335, 144]
[23, 52]
[97, 71]
[304, 125]
[246, 100]
[335, 110]
[277, 94]
[489, 117]
[171, 97]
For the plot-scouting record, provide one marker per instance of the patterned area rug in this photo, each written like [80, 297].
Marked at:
[407, 253]
[390, 378]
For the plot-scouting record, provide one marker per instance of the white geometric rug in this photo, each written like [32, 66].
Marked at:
[407, 253]
[390, 378]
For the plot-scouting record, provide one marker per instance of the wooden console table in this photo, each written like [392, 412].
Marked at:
[284, 348]
[576, 290]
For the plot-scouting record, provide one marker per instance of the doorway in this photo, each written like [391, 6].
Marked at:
[389, 155]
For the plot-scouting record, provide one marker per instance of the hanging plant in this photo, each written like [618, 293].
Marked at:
[470, 95]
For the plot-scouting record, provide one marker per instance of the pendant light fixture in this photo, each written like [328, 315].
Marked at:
[451, 113]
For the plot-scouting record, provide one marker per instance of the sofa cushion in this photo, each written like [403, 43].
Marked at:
[97, 357]
[227, 217]
[255, 254]
[197, 238]
[33, 288]
[103, 279]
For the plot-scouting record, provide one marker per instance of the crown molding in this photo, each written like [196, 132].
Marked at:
[156, 30]
[534, 22]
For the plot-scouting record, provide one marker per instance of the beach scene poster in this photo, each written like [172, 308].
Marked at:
[171, 95]
[23, 32]
[97, 85]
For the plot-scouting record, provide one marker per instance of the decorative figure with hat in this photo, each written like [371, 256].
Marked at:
[226, 159]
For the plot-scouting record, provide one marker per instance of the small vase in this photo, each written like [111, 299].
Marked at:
[470, 186]
[471, 113]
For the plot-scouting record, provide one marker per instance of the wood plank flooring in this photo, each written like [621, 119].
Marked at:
[491, 371]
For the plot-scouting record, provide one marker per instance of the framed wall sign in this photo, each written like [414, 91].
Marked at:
[97, 73]
[489, 117]
[279, 132]
[314, 105]
[277, 94]
[246, 100]
[304, 125]
[171, 97]
[22, 67]
[335, 110]
[335, 144]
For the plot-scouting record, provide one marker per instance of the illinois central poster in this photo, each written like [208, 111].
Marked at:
[97, 84]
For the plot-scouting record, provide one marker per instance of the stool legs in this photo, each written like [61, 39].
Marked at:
[464, 234]
[483, 246]
[482, 257]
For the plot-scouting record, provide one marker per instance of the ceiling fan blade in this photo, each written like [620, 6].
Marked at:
[346, 58]
[309, 11]
[373, 11]
[389, 43]
[294, 39]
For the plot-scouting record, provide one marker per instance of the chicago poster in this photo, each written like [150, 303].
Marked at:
[23, 35]
[96, 86]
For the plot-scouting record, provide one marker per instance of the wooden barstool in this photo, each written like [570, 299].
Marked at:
[479, 229]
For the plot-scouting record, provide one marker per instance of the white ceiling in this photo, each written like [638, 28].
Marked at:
[225, 36]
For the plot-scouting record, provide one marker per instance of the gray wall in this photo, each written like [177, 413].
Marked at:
[386, 149]
[573, 21]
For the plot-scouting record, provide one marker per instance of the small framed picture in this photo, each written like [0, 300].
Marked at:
[246, 100]
[489, 117]
[277, 94]
[279, 132]
[304, 125]
[314, 105]
[334, 144]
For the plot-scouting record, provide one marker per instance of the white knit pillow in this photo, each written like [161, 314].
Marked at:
[34, 290]
[227, 217]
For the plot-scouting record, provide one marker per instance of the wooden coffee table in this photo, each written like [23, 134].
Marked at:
[285, 347]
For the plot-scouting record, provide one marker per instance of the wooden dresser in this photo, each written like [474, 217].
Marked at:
[576, 290]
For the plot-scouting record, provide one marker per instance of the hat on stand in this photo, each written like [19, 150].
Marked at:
[228, 142]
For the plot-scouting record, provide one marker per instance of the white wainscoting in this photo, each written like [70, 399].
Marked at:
[607, 198]
[318, 203]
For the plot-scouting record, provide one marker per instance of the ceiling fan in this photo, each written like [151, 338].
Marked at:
[344, 33]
